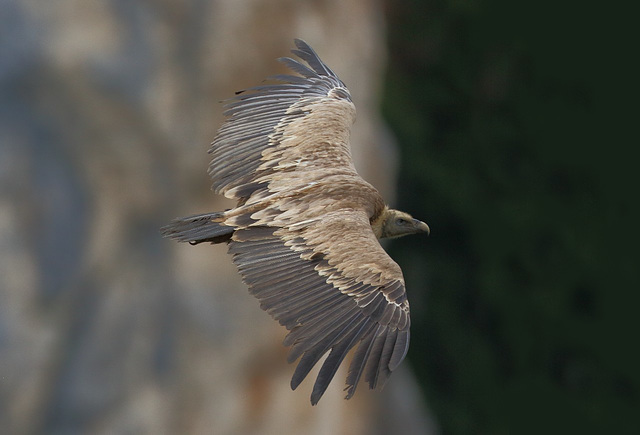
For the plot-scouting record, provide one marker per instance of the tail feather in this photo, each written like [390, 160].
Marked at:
[199, 228]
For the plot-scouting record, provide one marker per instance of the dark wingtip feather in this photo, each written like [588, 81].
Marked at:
[373, 363]
[383, 367]
[296, 66]
[399, 350]
[359, 361]
[308, 54]
[313, 355]
[300, 43]
[197, 229]
[334, 360]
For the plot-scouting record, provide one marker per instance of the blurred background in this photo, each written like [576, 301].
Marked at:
[506, 127]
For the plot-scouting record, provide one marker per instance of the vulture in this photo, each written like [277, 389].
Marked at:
[305, 232]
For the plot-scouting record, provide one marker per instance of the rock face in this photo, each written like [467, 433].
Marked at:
[107, 110]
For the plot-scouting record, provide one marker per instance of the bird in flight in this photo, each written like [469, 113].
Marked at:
[304, 233]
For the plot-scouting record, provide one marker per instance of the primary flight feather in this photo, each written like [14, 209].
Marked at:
[305, 231]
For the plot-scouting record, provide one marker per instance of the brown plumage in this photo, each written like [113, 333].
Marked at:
[305, 231]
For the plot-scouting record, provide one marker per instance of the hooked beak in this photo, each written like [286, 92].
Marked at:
[421, 227]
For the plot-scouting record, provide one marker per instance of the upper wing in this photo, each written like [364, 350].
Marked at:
[332, 285]
[300, 124]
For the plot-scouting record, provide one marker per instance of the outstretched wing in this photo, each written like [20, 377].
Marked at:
[330, 283]
[297, 126]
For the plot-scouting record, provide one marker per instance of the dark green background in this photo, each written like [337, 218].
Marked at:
[516, 125]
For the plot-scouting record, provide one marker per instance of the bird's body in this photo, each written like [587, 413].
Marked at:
[305, 231]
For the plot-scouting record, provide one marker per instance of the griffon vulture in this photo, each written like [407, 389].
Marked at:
[304, 234]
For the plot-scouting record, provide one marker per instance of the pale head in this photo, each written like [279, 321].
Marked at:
[396, 223]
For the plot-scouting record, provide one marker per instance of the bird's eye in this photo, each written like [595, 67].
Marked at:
[401, 221]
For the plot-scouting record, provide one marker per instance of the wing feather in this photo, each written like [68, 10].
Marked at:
[303, 277]
[265, 124]
[335, 358]
[313, 355]
[324, 325]
[299, 68]
[306, 53]
[360, 359]
[373, 362]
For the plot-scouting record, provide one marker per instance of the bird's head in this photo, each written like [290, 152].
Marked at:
[396, 223]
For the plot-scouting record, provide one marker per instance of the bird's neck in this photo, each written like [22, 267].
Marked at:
[377, 223]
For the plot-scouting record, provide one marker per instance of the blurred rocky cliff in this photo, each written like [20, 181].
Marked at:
[107, 110]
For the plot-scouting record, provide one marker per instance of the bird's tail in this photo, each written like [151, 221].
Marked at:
[199, 228]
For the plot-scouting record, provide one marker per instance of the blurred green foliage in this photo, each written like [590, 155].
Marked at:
[523, 299]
